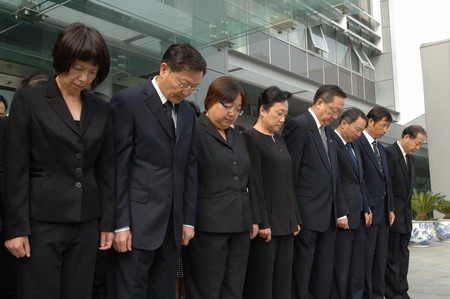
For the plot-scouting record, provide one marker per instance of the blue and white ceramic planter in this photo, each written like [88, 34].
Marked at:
[421, 234]
[442, 228]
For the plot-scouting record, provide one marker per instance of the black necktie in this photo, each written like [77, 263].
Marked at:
[168, 106]
[377, 154]
[352, 154]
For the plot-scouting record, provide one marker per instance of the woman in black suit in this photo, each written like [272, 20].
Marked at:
[227, 213]
[60, 172]
[270, 261]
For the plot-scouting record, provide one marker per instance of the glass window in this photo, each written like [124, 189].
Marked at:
[259, 45]
[362, 57]
[298, 38]
[279, 53]
[370, 90]
[355, 62]
[331, 73]
[330, 36]
[345, 80]
[240, 44]
[315, 68]
[342, 51]
[298, 61]
[317, 38]
[358, 86]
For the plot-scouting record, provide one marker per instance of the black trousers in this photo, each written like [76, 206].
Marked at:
[397, 266]
[102, 265]
[269, 271]
[7, 275]
[62, 261]
[215, 265]
[376, 252]
[313, 263]
[149, 274]
[348, 271]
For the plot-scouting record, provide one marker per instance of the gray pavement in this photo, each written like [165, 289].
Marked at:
[429, 271]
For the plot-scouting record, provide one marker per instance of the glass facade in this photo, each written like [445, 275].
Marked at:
[308, 37]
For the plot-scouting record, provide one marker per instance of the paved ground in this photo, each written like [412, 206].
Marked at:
[429, 271]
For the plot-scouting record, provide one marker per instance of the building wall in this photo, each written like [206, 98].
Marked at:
[436, 77]
[384, 76]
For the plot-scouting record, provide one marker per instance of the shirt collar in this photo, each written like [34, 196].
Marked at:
[315, 118]
[369, 138]
[343, 140]
[160, 94]
[401, 148]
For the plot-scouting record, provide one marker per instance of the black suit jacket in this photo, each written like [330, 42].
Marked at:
[226, 199]
[315, 177]
[402, 185]
[378, 184]
[352, 183]
[57, 171]
[156, 173]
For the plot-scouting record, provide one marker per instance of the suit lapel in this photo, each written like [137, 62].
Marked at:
[401, 161]
[153, 102]
[412, 173]
[88, 110]
[211, 130]
[318, 140]
[349, 158]
[358, 157]
[58, 104]
[369, 151]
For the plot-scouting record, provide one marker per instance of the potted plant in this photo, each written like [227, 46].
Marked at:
[442, 226]
[423, 203]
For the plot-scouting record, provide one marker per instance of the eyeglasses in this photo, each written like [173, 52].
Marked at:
[336, 111]
[232, 109]
[185, 87]
[384, 126]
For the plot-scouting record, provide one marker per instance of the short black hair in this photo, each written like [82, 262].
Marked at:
[3, 100]
[272, 95]
[33, 80]
[184, 57]
[79, 42]
[413, 131]
[328, 92]
[378, 113]
[351, 115]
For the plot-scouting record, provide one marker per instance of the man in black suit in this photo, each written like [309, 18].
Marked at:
[348, 273]
[156, 177]
[312, 147]
[401, 168]
[379, 189]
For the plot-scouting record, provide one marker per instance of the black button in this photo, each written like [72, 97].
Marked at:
[236, 178]
[78, 185]
[172, 144]
[236, 193]
[78, 170]
[234, 163]
[230, 150]
[78, 156]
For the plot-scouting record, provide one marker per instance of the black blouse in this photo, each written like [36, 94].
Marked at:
[273, 181]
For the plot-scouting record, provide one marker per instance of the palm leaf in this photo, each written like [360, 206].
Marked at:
[426, 202]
